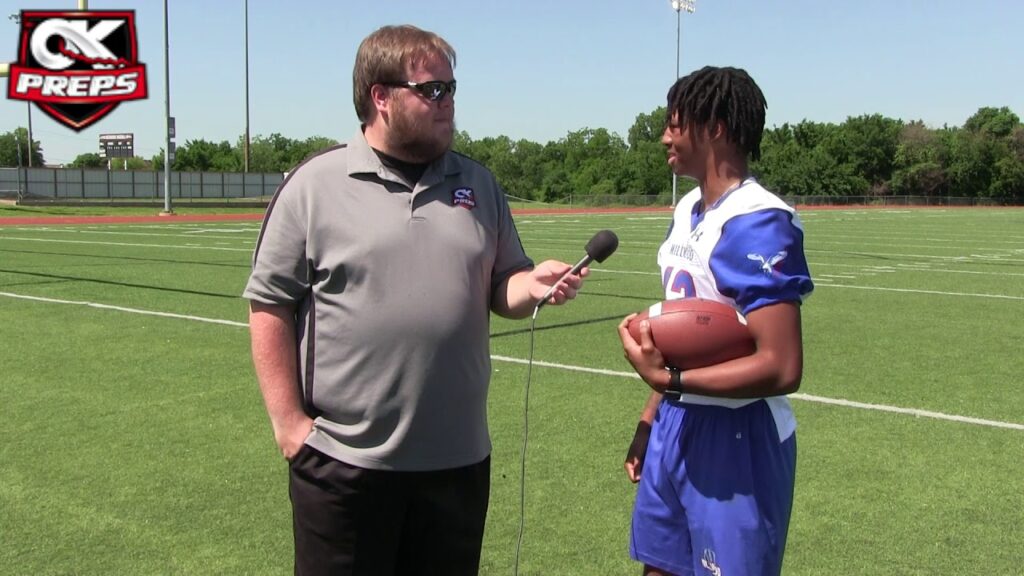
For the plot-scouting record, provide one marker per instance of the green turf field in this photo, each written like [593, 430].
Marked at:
[134, 439]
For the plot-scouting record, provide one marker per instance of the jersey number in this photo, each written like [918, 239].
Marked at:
[679, 282]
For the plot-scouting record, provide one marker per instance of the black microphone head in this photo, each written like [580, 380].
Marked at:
[602, 245]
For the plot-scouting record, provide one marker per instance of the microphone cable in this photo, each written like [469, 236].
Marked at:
[600, 246]
[526, 433]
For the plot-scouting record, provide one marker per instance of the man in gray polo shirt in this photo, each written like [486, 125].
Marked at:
[373, 279]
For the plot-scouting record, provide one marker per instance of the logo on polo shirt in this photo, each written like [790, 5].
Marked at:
[464, 197]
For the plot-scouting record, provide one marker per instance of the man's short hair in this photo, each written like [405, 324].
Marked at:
[387, 54]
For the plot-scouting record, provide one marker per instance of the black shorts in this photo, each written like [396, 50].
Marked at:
[353, 521]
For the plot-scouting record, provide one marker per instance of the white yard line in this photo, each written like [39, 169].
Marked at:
[598, 371]
[797, 396]
[936, 292]
[825, 278]
[128, 310]
[160, 246]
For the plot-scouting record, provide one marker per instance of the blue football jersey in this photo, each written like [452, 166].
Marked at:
[747, 251]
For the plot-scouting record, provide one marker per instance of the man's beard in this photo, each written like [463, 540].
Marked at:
[414, 138]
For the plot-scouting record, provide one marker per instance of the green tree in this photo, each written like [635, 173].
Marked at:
[1008, 178]
[995, 122]
[867, 143]
[518, 165]
[555, 185]
[272, 153]
[298, 152]
[647, 128]
[205, 156]
[866, 154]
[1016, 141]
[595, 161]
[645, 169]
[989, 157]
[461, 142]
[790, 169]
[499, 155]
[88, 160]
[157, 161]
[14, 144]
[919, 166]
[801, 160]
[810, 135]
[970, 163]
[137, 163]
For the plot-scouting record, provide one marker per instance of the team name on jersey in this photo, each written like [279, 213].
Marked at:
[684, 251]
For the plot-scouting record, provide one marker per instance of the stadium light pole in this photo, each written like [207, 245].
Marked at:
[18, 146]
[167, 117]
[246, 94]
[16, 18]
[679, 6]
[29, 106]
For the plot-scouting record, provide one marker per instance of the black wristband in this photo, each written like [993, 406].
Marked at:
[675, 383]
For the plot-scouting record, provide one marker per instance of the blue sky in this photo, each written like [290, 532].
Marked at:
[539, 69]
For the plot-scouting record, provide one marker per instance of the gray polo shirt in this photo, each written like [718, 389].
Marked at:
[393, 289]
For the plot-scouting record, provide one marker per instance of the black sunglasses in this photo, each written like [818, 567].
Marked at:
[433, 90]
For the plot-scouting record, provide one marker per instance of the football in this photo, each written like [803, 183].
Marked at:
[694, 332]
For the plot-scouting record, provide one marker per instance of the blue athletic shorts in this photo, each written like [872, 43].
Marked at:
[715, 493]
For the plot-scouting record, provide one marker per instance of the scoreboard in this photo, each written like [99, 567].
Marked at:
[117, 145]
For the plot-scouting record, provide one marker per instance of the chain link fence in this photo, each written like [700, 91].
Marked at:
[76, 185]
[638, 200]
[126, 187]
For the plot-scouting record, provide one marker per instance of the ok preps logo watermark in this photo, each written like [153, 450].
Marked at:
[77, 66]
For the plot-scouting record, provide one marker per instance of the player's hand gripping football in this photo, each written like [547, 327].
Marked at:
[645, 358]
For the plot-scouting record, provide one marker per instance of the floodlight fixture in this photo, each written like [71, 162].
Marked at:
[687, 5]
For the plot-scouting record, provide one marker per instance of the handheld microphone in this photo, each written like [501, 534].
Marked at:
[601, 246]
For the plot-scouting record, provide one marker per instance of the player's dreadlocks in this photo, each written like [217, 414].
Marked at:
[727, 95]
